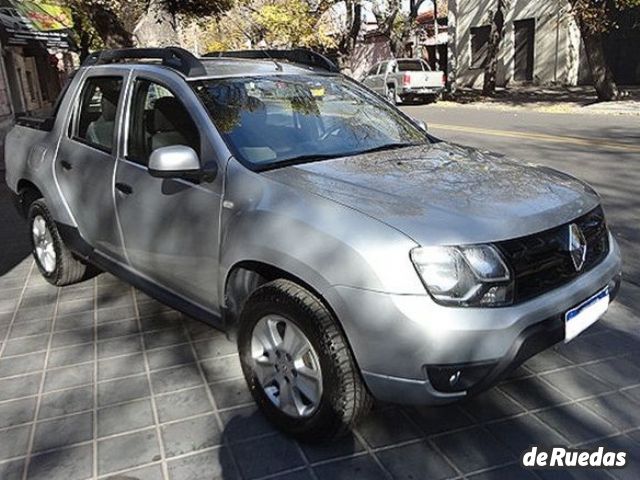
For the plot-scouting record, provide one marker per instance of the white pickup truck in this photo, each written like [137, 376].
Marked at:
[405, 79]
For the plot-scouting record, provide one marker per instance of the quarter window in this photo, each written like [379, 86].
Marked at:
[97, 113]
[158, 119]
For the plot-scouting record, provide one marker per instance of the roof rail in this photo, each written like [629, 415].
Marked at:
[296, 55]
[174, 57]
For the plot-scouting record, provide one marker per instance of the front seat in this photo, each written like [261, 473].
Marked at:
[172, 125]
[100, 131]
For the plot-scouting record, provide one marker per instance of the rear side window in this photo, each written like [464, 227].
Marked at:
[158, 119]
[373, 70]
[96, 116]
[410, 66]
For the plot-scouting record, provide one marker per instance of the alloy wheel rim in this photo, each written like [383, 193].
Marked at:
[287, 366]
[43, 244]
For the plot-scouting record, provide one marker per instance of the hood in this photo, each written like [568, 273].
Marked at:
[442, 194]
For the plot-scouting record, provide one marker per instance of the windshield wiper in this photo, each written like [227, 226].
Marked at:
[388, 146]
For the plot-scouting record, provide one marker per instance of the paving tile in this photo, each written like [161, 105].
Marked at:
[187, 436]
[170, 356]
[161, 321]
[360, 467]
[124, 417]
[186, 403]
[547, 360]
[122, 390]
[22, 364]
[26, 329]
[150, 472]
[631, 470]
[127, 451]
[115, 314]
[619, 372]
[76, 292]
[177, 378]
[491, 405]
[120, 346]
[39, 300]
[65, 402]
[74, 322]
[518, 434]
[64, 431]
[32, 314]
[436, 419]
[511, 471]
[12, 470]
[591, 347]
[120, 366]
[163, 338]
[617, 409]
[70, 355]
[75, 306]
[244, 423]
[24, 345]
[117, 329]
[74, 463]
[115, 299]
[8, 304]
[199, 330]
[576, 423]
[152, 308]
[213, 465]
[72, 337]
[67, 377]
[14, 441]
[267, 457]
[231, 393]
[533, 393]
[19, 386]
[17, 412]
[575, 383]
[387, 427]
[418, 460]
[473, 449]
[633, 393]
[341, 447]
[215, 347]
[216, 369]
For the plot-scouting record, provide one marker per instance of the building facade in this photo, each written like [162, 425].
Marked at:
[540, 44]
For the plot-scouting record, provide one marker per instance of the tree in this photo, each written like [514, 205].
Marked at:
[595, 18]
[493, 48]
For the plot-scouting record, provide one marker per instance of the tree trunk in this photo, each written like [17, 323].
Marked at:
[603, 82]
[110, 29]
[495, 37]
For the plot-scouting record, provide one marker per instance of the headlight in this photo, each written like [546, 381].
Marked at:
[473, 276]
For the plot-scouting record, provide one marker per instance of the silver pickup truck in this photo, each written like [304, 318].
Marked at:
[350, 253]
[405, 79]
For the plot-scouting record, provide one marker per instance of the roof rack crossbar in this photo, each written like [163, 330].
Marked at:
[296, 55]
[174, 57]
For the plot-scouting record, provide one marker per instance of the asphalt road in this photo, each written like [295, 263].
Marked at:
[603, 150]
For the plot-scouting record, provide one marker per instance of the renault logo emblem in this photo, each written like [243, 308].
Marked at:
[577, 246]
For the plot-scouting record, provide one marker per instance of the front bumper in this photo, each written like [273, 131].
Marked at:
[407, 346]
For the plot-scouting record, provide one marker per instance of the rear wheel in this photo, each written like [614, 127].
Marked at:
[54, 260]
[298, 365]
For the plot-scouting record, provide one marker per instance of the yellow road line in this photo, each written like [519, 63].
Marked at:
[589, 142]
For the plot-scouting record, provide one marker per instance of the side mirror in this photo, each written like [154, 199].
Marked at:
[421, 124]
[176, 161]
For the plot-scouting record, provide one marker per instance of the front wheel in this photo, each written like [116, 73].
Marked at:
[298, 364]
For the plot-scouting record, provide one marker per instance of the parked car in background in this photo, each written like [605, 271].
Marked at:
[405, 79]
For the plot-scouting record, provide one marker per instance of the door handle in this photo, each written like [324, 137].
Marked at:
[124, 188]
[66, 165]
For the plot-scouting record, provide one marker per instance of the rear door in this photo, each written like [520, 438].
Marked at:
[369, 79]
[85, 162]
[170, 226]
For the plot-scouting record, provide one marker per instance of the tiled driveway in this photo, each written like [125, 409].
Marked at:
[98, 380]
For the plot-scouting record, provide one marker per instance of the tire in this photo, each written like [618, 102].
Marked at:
[391, 95]
[343, 397]
[59, 266]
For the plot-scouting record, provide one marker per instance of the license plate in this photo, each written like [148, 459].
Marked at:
[586, 314]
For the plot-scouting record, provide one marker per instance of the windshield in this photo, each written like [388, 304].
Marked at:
[272, 121]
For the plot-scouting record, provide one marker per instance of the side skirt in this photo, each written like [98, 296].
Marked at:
[80, 247]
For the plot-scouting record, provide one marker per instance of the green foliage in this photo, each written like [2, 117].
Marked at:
[598, 16]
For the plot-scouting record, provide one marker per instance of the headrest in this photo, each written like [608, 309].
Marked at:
[169, 115]
[108, 109]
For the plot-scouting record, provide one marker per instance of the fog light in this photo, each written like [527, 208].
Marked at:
[453, 379]
[457, 378]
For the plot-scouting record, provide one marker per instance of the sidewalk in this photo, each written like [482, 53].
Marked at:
[548, 100]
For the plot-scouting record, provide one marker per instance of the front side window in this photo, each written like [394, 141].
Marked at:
[272, 121]
[158, 119]
[97, 112]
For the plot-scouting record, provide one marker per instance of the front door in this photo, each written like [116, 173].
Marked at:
[170, 226]
[524, 49]
[86, 160]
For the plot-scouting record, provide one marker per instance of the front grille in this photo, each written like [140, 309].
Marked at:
[541, 262]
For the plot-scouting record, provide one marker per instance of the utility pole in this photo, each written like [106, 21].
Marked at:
[435, 33]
